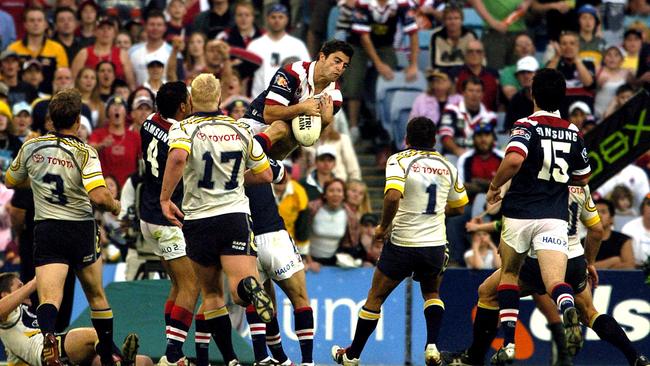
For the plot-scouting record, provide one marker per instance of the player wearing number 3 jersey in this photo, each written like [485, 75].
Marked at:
[215, 156]
[173, 102]
[422, 187]
[66, 177]
[545, 154]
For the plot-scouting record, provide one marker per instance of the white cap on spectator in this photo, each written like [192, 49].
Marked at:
[21, 107]
[142, 100]
[83, 121]
[323, 150]
[581, 106]
[527, 63]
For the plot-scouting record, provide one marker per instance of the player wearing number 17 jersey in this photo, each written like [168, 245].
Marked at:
[66, 178]
[422, 187]
[545, 154]
[167, 240]
[215, 156]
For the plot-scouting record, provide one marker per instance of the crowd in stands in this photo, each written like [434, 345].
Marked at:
[468, 66]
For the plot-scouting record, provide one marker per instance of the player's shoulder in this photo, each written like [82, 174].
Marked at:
[298, 69]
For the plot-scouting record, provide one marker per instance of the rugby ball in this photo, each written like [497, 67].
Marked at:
[306, 129]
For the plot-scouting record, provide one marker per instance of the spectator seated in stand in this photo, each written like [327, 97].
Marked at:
[449, 42]
[521, 104]
[435, 99]
[639, 230]
[616, 248]
[524, 49]
[483, 253]
[473, 67]
[477, 166]
[322, 173]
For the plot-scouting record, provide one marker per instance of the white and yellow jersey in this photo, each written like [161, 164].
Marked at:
[62, 170]
[22, 338]
[428, 183]
[221, 150]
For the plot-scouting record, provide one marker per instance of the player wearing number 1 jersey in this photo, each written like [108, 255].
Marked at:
[167, 240]
[215, 156]
[66, 177]
[545, 154]
[422, 187]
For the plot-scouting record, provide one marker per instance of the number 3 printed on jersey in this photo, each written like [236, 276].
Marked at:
[554, 164]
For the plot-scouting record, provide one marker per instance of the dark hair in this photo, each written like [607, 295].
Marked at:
[421, 133]
[549, 88]
[608, 203]
[169, 98]
[453, 7]
[154, 13]
[471, 80]
[6, 280]
[329, 183]
[627, 87]
[34, 8]
[64, 9]
[118, 83]
[335, 45]
[100, 63]
[65, 108]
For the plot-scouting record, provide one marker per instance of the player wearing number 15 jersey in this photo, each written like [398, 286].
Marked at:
[422, 187]
[167, 240]
[545, 154]
[212, 153]
[66, 177]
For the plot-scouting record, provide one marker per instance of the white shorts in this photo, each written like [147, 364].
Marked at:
[535, 234]
[255, 126]
[277, 256]
[168, 241]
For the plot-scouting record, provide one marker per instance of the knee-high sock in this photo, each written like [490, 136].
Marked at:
[509, 311]
[485, 328]
[221, 330]
[46, 314]
[274, 340]
[258, 333]
[169, 305]
[304, 319]
[433, 312]
[562, 294]
[202, 340]
[180, 321]
[610, 331]
[102, 320]
[366, 324]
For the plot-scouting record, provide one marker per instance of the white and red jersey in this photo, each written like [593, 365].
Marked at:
[291, 85]
[458, 123]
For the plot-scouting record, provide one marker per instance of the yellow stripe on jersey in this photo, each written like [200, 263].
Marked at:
[261, 168]
[395, 177]
[458, 203]
[587, 206]
[395, 186]
[367, 315]
[31, 333]
[211, 314]
[250, 152]
[592, 221]
[179, 145]
[91, 175]
[10, 179]
[434, 302]
[94, 184]
[457, 188]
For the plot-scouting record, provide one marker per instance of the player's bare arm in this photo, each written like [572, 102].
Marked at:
[101, 198]
[391, 205]
[23, 184]
[310, 107]
[508, 168]
[251, 178]
[176, 161]
[11, 301]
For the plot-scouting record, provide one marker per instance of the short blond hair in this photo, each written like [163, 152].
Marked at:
[206, 93]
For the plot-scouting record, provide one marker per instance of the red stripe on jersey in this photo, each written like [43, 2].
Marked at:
[551, 121]
[515, 149]
[581, 177]
[268, 101]
[507, 287]
[160, 121]
[290, 71]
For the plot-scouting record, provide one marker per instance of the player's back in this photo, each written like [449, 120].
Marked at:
[581, 209]
[555, 153]
[220, 151]
[427, 182]
[154, 136]
[62, 170]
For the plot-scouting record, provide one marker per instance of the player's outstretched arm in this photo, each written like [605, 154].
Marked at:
[509, 167]
[272, 113]
[176, 160]
[11, 301]
[101, 197]
[265, 176]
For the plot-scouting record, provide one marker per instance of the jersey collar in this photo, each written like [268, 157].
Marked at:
[542, 113]
[208, 114]
[67, 136]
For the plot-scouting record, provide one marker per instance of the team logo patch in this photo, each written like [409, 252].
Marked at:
[585, 155]
[38, 158]
[201, 136]
[520, 132]
[281, 81]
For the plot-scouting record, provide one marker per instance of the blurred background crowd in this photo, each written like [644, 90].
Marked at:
[467, 65]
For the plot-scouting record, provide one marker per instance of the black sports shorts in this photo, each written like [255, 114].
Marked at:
[399, 262]
[530, 276]
[75, 243]
[209, 238]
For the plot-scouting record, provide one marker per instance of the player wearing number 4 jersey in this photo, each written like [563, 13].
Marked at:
[66, 176]
[544, 155]
[173, 102]
[428, 187]
[215, 156]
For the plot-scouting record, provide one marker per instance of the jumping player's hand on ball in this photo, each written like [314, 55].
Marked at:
[311, 107]
[171, 212]
[326, 107]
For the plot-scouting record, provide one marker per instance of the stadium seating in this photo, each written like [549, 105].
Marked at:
[387, 88]
[399, 109]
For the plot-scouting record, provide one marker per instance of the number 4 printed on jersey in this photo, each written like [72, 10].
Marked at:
[554, 164]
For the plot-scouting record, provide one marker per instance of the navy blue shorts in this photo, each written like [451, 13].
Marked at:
[399, 262]
[209, 238]
[530, 276]
[75, 243]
